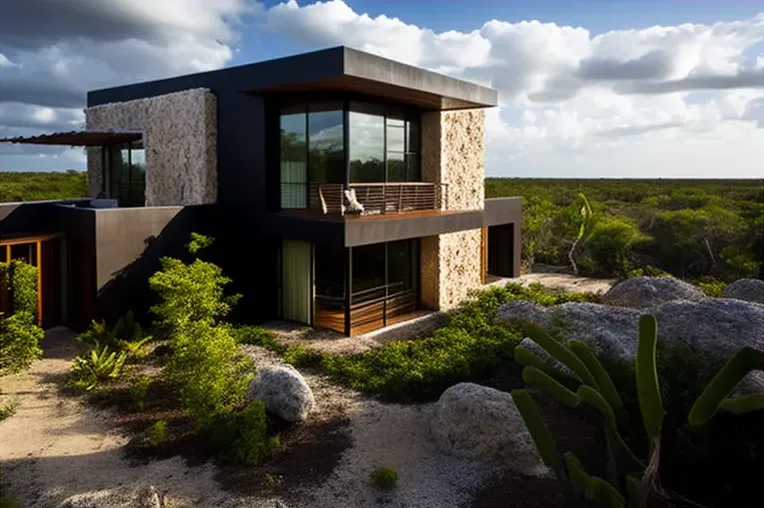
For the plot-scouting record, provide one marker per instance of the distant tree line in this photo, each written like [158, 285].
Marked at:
[688, 228]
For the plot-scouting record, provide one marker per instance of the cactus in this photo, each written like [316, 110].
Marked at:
[627, 472]
[714, 396]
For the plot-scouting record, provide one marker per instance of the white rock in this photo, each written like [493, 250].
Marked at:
[750, 290]
[284, 392]
[644, 292]
[478, 422]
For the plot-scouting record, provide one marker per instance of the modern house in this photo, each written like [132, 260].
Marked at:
[345, 191]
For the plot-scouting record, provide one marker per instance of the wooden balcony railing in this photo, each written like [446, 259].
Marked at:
[382, 198]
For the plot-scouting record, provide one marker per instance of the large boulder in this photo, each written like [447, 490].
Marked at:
[715, 328]
[644, 292]
[482, 423]
[750, 290]
[523, 310]
[284, 392]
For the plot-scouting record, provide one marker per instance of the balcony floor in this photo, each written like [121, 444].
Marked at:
[318, 215]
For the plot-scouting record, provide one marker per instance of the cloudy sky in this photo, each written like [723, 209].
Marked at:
[589, 88]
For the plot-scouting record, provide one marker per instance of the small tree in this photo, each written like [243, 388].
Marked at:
[584, 229]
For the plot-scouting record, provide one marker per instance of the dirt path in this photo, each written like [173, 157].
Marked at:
[55, 451]
[560, 281]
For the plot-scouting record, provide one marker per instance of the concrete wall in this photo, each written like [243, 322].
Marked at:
[453, 146]
[180, 137]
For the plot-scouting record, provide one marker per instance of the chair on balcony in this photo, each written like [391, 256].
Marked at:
[354, 207]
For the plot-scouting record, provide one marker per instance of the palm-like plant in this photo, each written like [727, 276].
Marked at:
[97, 365]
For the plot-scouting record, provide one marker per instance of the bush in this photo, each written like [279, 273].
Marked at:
[138, 390]
[211, 371]
[19, 342]
[19, 334]
[127, 335]
[96, 366]
[384, 478]
[23, 287]
[190, 292]
[156, 435]
[257, 336]
[471, 347]
[242, 437]
[606, 250]
[9, 409]
[711, 286]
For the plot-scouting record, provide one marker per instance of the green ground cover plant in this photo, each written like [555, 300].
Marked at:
[384, 478]
[470, 347]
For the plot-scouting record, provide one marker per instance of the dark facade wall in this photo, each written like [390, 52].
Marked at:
[129, 243]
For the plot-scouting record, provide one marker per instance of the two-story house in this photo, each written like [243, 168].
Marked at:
[345, 191]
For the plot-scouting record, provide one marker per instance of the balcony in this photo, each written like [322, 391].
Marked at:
[382, 198]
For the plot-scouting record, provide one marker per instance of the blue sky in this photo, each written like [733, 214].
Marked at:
[651, 88]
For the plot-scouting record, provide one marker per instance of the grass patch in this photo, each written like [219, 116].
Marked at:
[470, 347]
[384, 478]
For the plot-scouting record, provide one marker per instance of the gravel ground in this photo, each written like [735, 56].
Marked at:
[58, 452]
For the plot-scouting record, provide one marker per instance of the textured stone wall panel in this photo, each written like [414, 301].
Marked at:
[429, 248]
[459, 267]
[463, 161]
[180, 139]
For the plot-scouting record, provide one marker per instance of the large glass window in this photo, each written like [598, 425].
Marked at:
[294, 158]
[311, 151]
[125, 169]
[382, 145]
[366, 143]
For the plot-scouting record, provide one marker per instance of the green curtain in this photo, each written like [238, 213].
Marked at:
[294, 184]
[297, 286]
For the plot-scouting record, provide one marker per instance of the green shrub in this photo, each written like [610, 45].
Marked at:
[19, 342]
[647, 271]
[126, 335]
[156, 435]
[211, 371]
[98, 365]
[19, 334]
[384, 478]
[138, 390]
[711, 286]
[607, 247]
[9, 409]
[472, 345]
[190, 292]
[257, 336]
[23, 287]
[242, 437]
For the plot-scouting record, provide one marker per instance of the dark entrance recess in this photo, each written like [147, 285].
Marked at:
[500, 252]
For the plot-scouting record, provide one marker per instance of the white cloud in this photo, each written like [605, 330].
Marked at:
[663, 101]
[48, 63]
[685, 100]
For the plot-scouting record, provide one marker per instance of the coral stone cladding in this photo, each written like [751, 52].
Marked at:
[453, 153]
[180, 138]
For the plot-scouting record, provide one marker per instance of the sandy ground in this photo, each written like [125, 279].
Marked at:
[58, 452]
[562, 281]
[55, 451]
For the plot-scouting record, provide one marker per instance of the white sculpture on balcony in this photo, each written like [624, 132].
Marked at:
[354, 207]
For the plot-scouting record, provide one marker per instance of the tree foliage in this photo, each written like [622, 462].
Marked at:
[689, 228]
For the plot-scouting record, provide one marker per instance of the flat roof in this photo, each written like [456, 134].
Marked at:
[338, 69]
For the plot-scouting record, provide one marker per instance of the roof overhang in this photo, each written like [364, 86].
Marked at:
[364, 73]
[76, 138]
